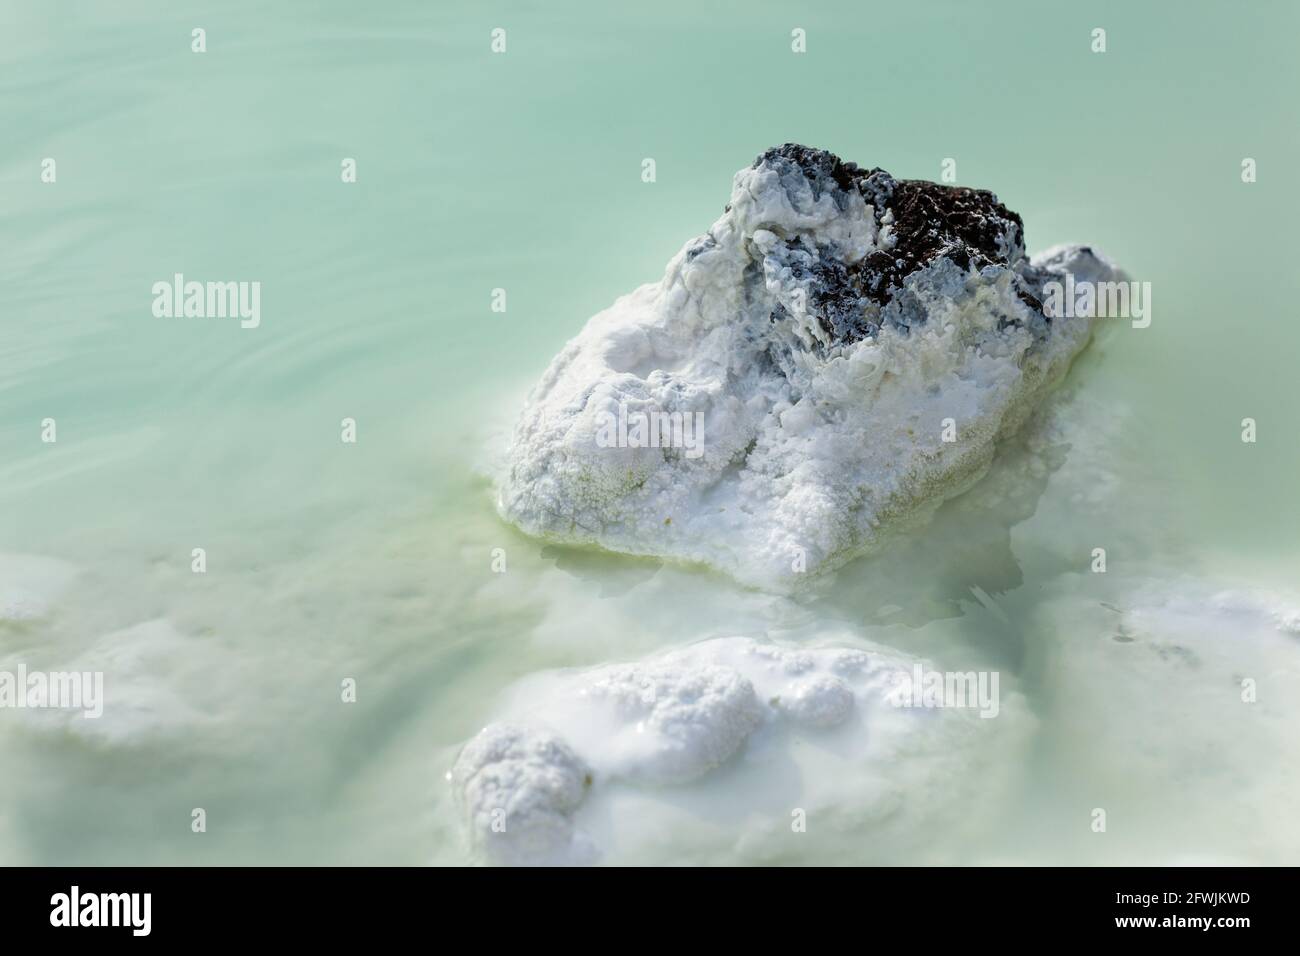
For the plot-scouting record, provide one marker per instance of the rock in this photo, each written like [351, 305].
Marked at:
[734, 717]
[917, 222]
[818, 701]
[670, 722]
[518, 788]
[840, 353]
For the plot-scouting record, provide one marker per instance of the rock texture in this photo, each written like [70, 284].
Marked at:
[851, 346]
[522, 782]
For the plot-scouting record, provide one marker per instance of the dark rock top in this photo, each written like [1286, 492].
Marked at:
[968, 227]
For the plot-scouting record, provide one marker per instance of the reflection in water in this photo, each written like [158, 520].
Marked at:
[612, 576]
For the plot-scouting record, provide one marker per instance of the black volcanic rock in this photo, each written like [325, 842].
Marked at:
[926, 222]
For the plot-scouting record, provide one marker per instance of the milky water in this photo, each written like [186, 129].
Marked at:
[372, 561]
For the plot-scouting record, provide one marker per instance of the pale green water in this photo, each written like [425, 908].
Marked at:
[328, 560]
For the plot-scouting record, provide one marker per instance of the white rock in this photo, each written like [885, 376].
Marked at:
[518, 788]
[819, 701]
[674, 722]
[724, 713]
[815, 441]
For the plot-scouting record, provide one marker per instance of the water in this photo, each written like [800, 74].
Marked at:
[372, 561]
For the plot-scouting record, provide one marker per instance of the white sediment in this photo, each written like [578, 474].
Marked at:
[1183, 695]
[1169, 686]
[812, 448]
[29, 584]
[547, 782]
[519, 788]
[153, 683]
[157, 685]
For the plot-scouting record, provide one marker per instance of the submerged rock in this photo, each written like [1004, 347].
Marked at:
[518, 788]
[588, 765]
[672, 723]
[836, 356]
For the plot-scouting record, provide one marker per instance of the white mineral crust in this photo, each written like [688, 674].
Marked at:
[823, 424]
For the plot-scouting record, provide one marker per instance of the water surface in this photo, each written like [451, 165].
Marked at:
[372, 561]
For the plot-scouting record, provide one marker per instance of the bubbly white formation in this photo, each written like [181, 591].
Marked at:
[826, 417]
[671, 723]
[526, 782]
[518, 788]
